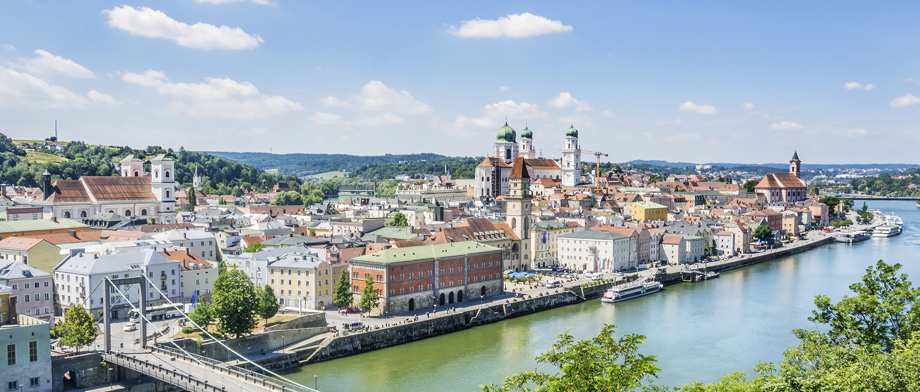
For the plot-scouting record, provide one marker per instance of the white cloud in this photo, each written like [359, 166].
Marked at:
[47, 63]
[858, 86]
[147, 22]
[18, 89]
[513, 26]
[219, 2]
[855, 133]
[905, 100]
[669, 122]
[8, 47]
[376, 96]
[747, 106]
[218, 97]
[494, 115]
[565, 100]
[691, 107]
[503, 89]
[785, 126]
[607, 113]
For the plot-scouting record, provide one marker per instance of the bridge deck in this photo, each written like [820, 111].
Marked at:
[191, 376]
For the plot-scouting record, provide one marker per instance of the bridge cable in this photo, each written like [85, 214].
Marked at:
[203, 365]
[257, 365]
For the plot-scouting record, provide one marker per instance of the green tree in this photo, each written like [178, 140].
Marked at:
[254, 247]
[880, 313]
[289, 198]
[831, 201]
[268, 304]
[602, 363]
[311, 232]
[78, 328]
[221, 267]
[342, 295]
[749, 185]
[235, 303]
[192, 199]
[399, 220]
[202, 315]
[763, 233]
[369, 298]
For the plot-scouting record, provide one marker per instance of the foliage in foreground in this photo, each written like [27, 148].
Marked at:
[78, 328]
[234, 303]
[602, 363]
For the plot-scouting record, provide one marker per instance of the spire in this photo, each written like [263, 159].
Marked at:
[795, 156]
[519, 169]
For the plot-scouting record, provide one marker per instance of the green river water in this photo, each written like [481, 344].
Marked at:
[699, 331]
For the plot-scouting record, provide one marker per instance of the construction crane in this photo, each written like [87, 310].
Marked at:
[597, 176]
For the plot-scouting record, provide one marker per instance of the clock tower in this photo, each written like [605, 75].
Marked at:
[518, 204]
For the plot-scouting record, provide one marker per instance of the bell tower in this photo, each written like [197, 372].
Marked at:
[518, 207]
[795, 165]
[571, 158]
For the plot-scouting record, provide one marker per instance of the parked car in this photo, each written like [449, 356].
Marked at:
[353, 326]
[130, 327]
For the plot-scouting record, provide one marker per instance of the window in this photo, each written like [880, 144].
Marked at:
[11, 354]
[12, 386]
[46, 284]
[33, 351]
[37, 297]
[27, 285]
[33, 382]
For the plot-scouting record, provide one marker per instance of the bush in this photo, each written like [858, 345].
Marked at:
[187, 330]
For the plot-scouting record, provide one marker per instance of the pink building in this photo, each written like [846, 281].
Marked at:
[32, 289]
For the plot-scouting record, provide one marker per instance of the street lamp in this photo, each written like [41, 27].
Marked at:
[481, 298]
[314, 381]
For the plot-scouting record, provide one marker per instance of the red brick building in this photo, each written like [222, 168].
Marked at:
[407, 279]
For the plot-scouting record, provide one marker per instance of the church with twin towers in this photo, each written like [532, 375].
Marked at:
[492, 174]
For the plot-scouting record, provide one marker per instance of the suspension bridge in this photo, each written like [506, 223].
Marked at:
[170, 363]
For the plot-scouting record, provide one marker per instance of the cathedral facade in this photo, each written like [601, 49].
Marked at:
[492, 175]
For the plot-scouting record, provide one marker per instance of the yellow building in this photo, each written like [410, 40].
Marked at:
[35, 252]
[5, 292]
[301, 281]
[648, 211]
[545, 244]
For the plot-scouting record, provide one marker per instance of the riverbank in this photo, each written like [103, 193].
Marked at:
[404, 329]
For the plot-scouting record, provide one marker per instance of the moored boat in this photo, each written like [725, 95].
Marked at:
[886, 231]
[632, 290]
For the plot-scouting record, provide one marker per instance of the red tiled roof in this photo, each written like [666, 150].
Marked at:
[519, 169]
[780, 180]
[185, 259]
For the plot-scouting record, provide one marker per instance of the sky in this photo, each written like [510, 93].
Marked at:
[715, 81]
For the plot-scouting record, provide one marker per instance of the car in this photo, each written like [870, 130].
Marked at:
[130, 327]
[353, 326]
[348, 310]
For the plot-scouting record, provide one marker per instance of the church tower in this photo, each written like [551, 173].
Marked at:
[518, 207]
[132, 167]
[196, 180]
[571, 158]
[162, 178]
[527, 150]
[506, 147]
[795, 165]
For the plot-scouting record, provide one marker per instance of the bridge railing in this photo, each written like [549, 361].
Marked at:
[272, 384]
[164, 374]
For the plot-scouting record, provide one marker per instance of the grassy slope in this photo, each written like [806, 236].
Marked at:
[42, 158]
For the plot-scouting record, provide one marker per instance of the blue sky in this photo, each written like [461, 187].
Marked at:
[679, 81]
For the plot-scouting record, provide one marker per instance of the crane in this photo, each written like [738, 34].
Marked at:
[597, 181]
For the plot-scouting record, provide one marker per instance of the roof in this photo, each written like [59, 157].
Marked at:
[648, 204]
[595, 235]
[297, 260]
[519, 169]
[780, 180]
[87, 264]
[671, 239]
[795, 156]
[394, 232]
[186, 259]
[542, 164]
[20, 243]
[423, 253]
[17, 270]
[107, 188]
[492, 162]
[39, 225]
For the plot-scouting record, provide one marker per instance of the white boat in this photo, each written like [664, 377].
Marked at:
[886, 231]
[632, 290]
[894, 220]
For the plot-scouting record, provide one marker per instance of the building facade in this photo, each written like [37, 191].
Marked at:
[31, 289]
[544, 240]
[301, 281]
[26, 359]
[596, 251]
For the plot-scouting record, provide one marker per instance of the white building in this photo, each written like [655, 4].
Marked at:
[197, 275]
[255, 265]
[199, 242]
[725, 243]
[595, 251]
[78, 279]
[491, 175]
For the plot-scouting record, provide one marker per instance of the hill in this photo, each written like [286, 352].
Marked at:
[302, 165]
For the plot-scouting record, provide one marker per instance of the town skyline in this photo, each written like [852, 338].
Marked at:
[674, 82]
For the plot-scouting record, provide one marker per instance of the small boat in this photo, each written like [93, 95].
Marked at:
[632, 290]
[851, 237]
[711, 275]
[886, 231]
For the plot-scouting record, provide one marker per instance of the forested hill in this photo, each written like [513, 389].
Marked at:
[308, 164]
[459, 168]
[80, 159]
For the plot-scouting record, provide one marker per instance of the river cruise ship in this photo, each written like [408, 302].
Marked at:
[886, 231]
[632, 290]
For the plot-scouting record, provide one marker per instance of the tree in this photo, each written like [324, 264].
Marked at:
[399, 220]
[78, 328]
[342, 296]
[602, 363]
[881, 313]
[763, 233]
[311, 232]
[202, 315]
[192, 199]
[268, 304]
[288, 198]
[369, 299]
[749, 185]
[235, 303]
[221, 267]
[254, 247]
[831, 202]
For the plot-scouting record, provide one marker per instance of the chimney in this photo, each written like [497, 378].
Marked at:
[73, 233]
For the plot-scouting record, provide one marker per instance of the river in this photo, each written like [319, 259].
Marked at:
[698, 332]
